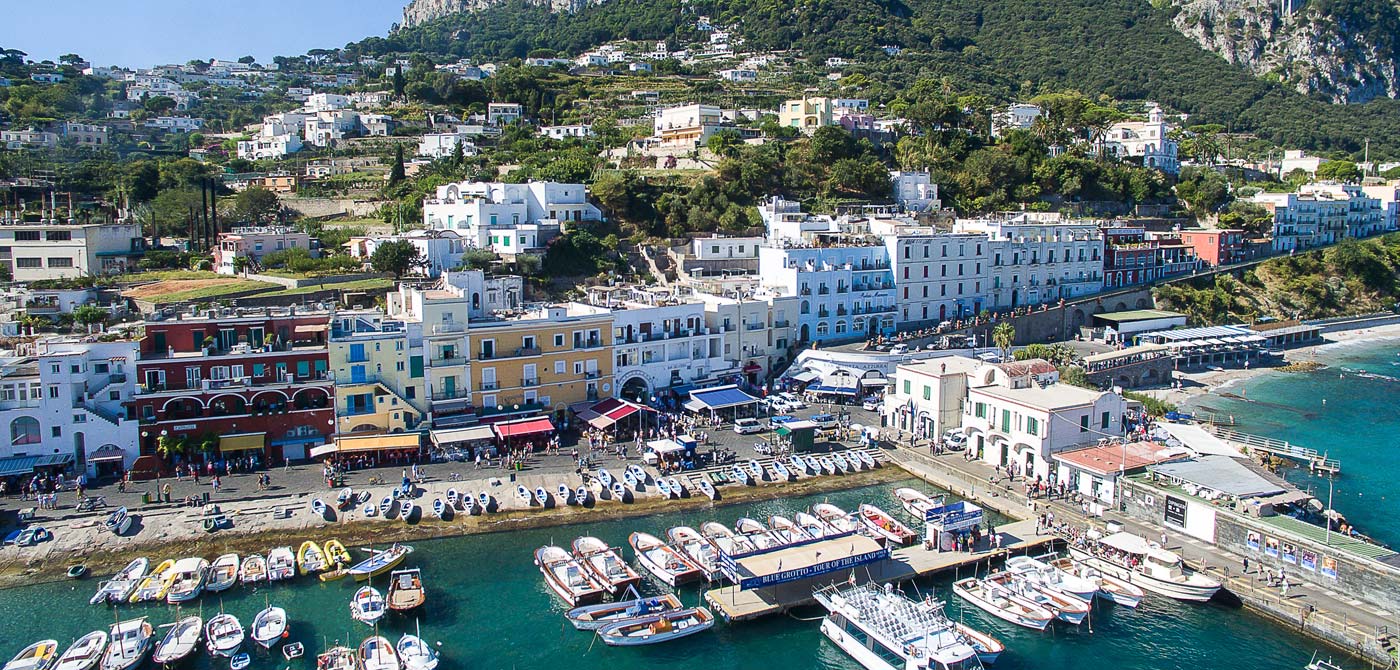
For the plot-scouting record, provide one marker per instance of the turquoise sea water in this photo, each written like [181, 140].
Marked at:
[489, 609]
[1350, 410]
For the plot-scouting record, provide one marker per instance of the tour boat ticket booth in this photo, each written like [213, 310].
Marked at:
[775, 579]
[947, 522]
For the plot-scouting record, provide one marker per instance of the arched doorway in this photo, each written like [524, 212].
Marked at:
[636, 389]
[806, 334]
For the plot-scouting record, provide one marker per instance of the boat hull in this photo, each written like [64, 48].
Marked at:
[989, 607]
[1185, 592]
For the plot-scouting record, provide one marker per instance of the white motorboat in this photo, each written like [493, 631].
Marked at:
[741, 475]
[1052, 576]
[223, 573]
[84, 653]
[380, 563]
[377, 654]
[253, 569]
[668, 564]
[882, 629]
[120, 586]
[1002, 604]
[1112, 588]
[708, 489]
[542, 496]
[565, 495]
[799, 466]
[1131, 558]
[223, 635]
[725, 540]
[756, 469]
[1066, 607]
[677, 488]
[593, 617]
[118, 522]
[37, 656]
[787, 531]
[281, 564]
[407, 509]
[567, 577]
[836, 518]
[188, 580]
[180, 641]
[607, 566]
[415, 654]
[810, 524]
[367, 606]
[758, 534]
[887, 526]
[269, 626]
[781, 471]
[697, 549]
[657, 628]
[916, 503]
[663, 488]
[127, 644]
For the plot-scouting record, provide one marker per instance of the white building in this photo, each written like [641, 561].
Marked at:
[1018, 116]
[759, 329]
[687, 127]
[86, 134]
[326, 102]
[1388, 197]
[1325, 213]
[441, 249]
[487, 294]
[562, 132]
[786, 223]
[1146, 140]
[660, 340]
[844, 292]
[915, 191]
[508, 218]
[1297, 159]
[926, 397]
[54, 249]
[738, 75]
[324, 128]
[269, 147]
[1038, 258]
[503, 113]
[175, 124]
[28, 139]
[254, 242]
[938, 276]
[442, 145]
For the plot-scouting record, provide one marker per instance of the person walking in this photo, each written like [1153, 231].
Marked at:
[1245, 563]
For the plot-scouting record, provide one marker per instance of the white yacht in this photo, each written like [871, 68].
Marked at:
[883, 630]
[1142, 563]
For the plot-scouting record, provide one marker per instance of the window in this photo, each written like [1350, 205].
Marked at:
[558, 339]
[24, 430]
[1084, 423]
[980, 410]
[29, 262]
[1006, 421]
[57, 431]
[928, 392]
[114, 395]
[57, 262]
[907, 387]
[1103, 421]
[58, 235]
[1032, 426]
[558, 367]
[26, 235]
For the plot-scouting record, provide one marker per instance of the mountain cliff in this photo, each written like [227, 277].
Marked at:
[1339, 50]
[419, 12]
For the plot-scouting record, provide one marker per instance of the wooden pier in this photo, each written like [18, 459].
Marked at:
[1317, 462]
[734, 604]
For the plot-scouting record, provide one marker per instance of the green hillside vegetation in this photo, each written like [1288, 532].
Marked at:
[1354, 277]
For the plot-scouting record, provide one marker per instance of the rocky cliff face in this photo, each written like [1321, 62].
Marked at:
[1316, 51]
[423, 11]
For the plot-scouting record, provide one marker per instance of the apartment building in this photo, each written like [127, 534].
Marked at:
[254, 242]
[508, 218]
[926, 398]
[661, 341]
[58, 249]
[1322, 214]
[806, 114]
[1217, 246]
[844, 292]
[380, 379]
[938, 276]
[544, 359]
[759, 328]
[1132, 258]
[687, 127]
[1038, 258]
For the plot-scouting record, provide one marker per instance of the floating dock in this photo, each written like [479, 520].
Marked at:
[734, 603]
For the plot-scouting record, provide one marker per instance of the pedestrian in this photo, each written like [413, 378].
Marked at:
[1164, 540]
[1246, 565]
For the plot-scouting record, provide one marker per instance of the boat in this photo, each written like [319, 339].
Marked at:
[708, 489]
[84, 653]
[1002, 604]
[223, 573]
[127, 644]
[281, 564]
[581, 495]
[318, 507]
[380, 563]
[293, 650]
[605, 477]
[741, 475]
[813, 465]
[369, 511]
[756, 469]
[668, 564]
[524, 494]
[852, 463]
[989, 649]
[565, 495]
[37, 656]
[663, 488]
[345, 498]
[311, 558]
[484, 501]
[1052, 576]
[180, 641]
[1115, 590]
[253, 569]
[121, 585]
[567, 578]
[881, 629]
[810, 524]
[629, 478]
[439, 508]
[1144, 564]
[837, 462]
[542, 496]
[677, 489]
[606, 565]
[638, 474]
[269, 626]
[156, 582]
[695, 547]
[454, 499]
[386, 505]
[725, 540]
[619, 492]
[657, 628]
[783, 474]
[118, 522]
[187, 581]
[887, 526]
[757, 533]
[367, 606]
[836, 518]
[1319, 664]
[407, 509]
[223, 635]
[797, 465]
[469, 504]
[239, 661]
[337, 658]
[916, 503]
[335, 552]
[867, 460]
[1066, 607]
[406, 590]
[788, 531]
[377, 654]
[415, 654]
[593, 617]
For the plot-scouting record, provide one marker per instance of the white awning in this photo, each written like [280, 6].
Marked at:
[472, 434]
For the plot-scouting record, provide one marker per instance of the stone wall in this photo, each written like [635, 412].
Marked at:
[1152, 372]
[1057, 324]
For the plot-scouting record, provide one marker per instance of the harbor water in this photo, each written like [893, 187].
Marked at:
[488, 608]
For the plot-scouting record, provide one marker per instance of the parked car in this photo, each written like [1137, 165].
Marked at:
[747, 426]
[793, 400]
[955, 439]
[870, 404]
[824, 421]
[899, 349]
[774, 422]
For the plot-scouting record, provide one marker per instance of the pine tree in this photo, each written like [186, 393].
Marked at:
[396, 174]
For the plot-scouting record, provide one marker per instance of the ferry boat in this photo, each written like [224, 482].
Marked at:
[884, 630]
[1134, 559]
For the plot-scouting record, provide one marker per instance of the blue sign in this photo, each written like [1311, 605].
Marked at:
[954, 517]
[785, 576]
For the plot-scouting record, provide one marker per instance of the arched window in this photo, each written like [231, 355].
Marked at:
[806, 307]
[840, 327]
[821, 328]
[24, 430]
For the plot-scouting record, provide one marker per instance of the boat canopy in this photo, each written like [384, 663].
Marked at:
[1127, 542]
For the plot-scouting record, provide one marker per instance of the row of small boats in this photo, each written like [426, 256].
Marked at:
[1033, 593]
[782, 470]
[183, 580]
[378, 653]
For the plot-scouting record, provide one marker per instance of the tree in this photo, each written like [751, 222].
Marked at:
[158, 104]
[1342, 171]
[477, 259]
[398, 257]
[396, 174]
[1004, 335]
[724, 143]
[255, 205]
[70, 59]
[240, 264]
[398, 81]
[247, 60]
[89, 315]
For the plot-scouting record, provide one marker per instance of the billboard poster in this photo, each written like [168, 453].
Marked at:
[1308, 560]
[1252, 541]
[1329, 567]
[1290, 553]
[1271, 546]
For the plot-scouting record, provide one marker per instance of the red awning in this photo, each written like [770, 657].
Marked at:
[507, 429]
[622, 412]
[752, 367]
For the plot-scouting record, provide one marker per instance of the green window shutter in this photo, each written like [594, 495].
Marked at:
[415, 366]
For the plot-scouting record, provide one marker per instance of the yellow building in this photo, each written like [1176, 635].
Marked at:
[806, 114]
[380, 382]
[546, 359]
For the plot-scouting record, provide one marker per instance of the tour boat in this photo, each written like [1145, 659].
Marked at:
[708, 489]
[914, 502]
[663, 488]
[866, 459]
[377, 654]
[836, 518]
[484, 502]
[336, 553]
[406, 510]
[120, 586]
[1132, 558]
[1114, 589]
[882, 629]
[787, 531]
[253, 569]
[757, 533]
[406, 590]
[338, 658]
[454, 499]
[593, 617]
[188, 580]
[725, 540]
[826, 465]
[886, 526]
[1066, 607]
[668, 564]
[741, 475]
[581, 495]
[567, 578]
[386, 505]
[240, 661]
[281, 564]
[781, 471]
[311, 558]
[380, 563]
[415, 654]
[619, 492]
[439, 508]
[367, 607]
[565, 495]
[154, 586]
[1052, 576]
[541, 496]
[84, 653]
[1002, 604]
[656, 628]
[318, 507]
[37, 656]
[118, 522]
[180, 641]
[269, 626]
[127, 644]
[756, 469]
[677, 489]
[605, 564]
[223, 573]
[697, 549]
[810, 524]
[346, 498]
[223, 635]
[799, 466]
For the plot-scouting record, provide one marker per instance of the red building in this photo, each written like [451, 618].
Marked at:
[1217, 247]
[228, 383]
[1131, 257]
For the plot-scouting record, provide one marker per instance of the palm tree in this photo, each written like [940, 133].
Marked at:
[1003, 335]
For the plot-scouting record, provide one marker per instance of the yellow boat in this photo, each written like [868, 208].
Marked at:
[310, 558]
[336, 554]
[332, 575]
[154, 586]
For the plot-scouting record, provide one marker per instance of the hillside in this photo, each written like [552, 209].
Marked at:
[1008, 49]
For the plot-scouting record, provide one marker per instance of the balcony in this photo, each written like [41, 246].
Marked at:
[447, 361]
[590, 343]
[454, 394]
[357, 381]
[522, 352]
[780, 324]
[449, 328]
[490, 386]
[823, 291]
[592, 375]
[530, 381]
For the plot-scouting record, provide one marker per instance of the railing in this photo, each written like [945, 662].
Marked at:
[1313, 458]
[446, 361]
[523, 351]
[454, 394]
[530, 381]
[490, 386]
[486, 356]
[591, 343]
[592, 375]
[445, 328]
[780, 324]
